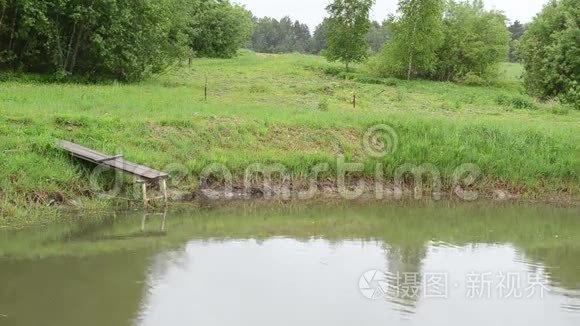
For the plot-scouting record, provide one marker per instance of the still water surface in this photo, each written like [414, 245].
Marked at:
[317, 264]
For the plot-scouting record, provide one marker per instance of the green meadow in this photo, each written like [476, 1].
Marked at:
[291, 109]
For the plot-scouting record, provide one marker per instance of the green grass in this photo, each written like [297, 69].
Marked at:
[292, 109]
[511, 71]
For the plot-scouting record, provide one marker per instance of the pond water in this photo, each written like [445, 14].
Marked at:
[298, 264]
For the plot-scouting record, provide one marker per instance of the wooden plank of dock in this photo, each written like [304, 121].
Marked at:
[115, 162]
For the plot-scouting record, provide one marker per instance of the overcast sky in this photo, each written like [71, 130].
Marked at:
[311, 12]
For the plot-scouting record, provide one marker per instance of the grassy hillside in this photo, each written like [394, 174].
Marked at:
[291, 109]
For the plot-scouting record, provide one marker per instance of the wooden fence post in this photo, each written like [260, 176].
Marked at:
[205, 90]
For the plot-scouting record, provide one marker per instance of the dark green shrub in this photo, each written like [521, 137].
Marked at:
[516, 102]
[519, 102]
[550, 53]
[218, 28]
[502, 100]
[333, 70]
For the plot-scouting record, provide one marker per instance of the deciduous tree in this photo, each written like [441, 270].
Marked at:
[418, 33]
[218, 28]
[475, 41]
[378, 35]
[348, 25]
[320, 37]
[456, 41]
[516, 30]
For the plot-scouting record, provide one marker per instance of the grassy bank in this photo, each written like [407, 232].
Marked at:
[291, 109]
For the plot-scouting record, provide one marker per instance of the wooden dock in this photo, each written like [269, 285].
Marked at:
[144, 174]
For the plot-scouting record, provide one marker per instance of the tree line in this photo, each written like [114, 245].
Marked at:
[462, 41]
[446, 40]
[129, 40]
[124, 39]
[287, 36]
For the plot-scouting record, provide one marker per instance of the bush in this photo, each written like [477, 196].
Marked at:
[476, 40]
[516, 102]
[333, 70]
[550, 53]
[522, 103]
[472, 79]
[502, 100]
[218, 28]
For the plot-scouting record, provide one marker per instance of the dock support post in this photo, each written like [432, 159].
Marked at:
[164, 189]
[164, 219]
[144, 221]
[144, 187]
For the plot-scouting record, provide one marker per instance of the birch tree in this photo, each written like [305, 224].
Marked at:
[418, 33]
[348, 26]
